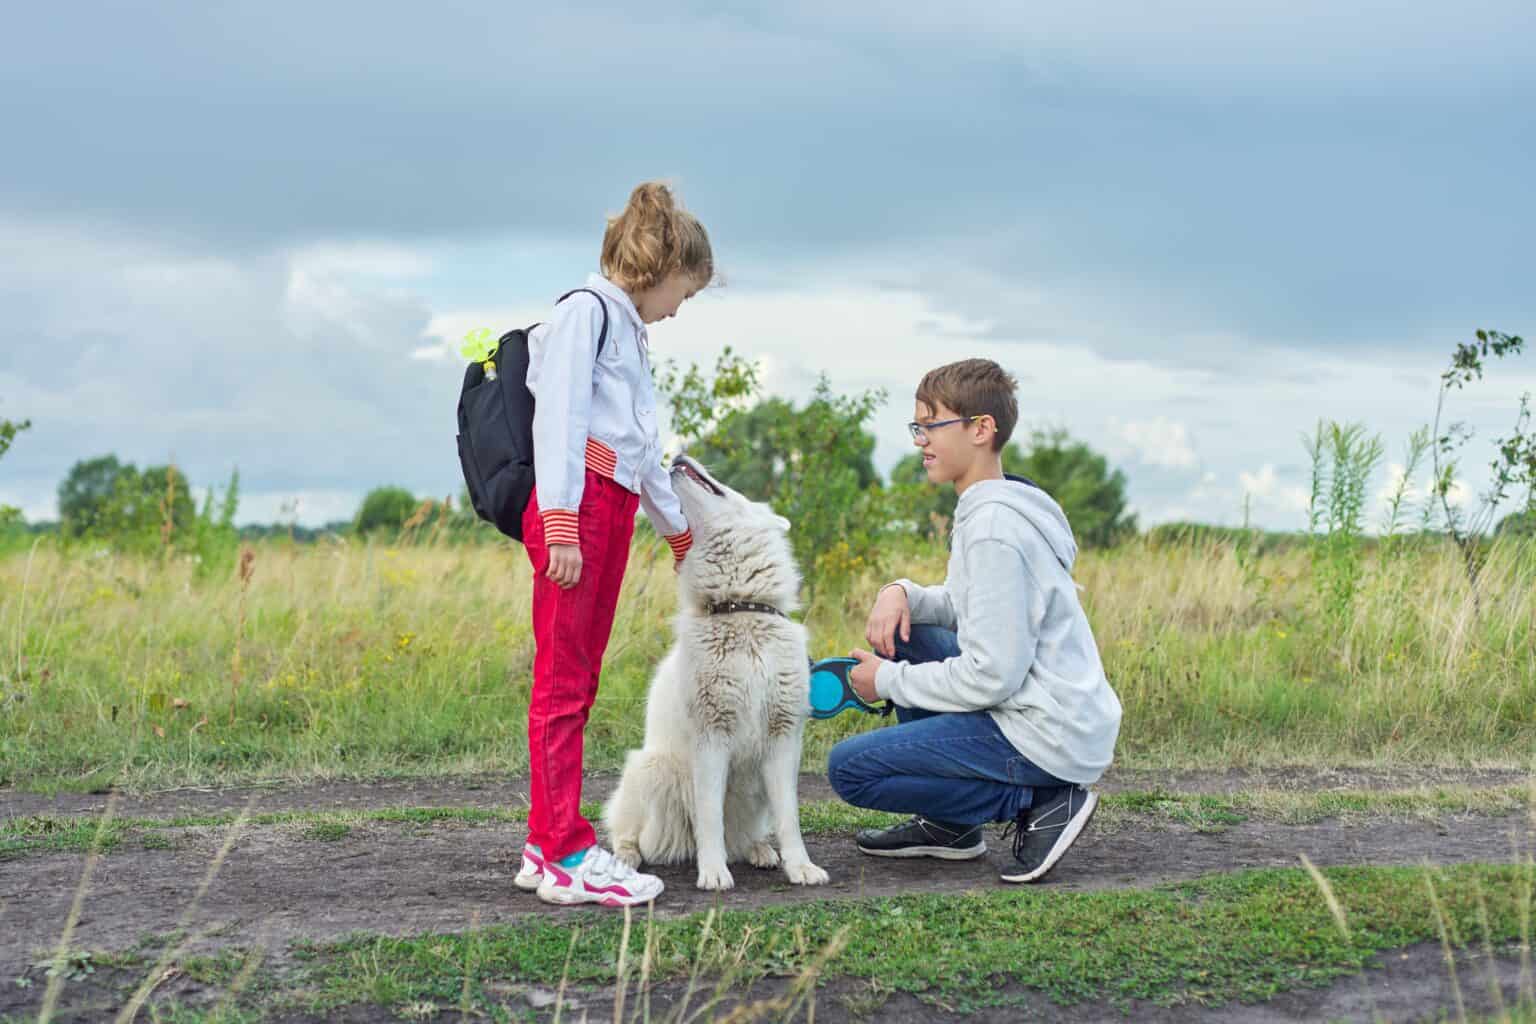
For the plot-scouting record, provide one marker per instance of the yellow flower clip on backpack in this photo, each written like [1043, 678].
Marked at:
[479, 346]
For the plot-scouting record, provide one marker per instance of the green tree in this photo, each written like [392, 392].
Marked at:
[1080, 479]
[8, 431]
[1513, 468]
[10, 516]
[112, 501]
[147, 509]
[826, 485]
[753, 448]
[385, 508]
[928, 508]
[85, 493]
[1518, 524]
[812, 463]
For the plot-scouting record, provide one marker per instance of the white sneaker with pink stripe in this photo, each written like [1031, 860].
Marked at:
[532, 872]
[600, 878]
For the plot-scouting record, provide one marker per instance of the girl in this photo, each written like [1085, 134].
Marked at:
[596, 456]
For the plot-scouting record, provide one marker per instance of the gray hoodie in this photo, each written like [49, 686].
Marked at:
[1027, 654]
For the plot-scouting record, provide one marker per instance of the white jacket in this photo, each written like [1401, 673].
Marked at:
[597, 411]
[1027, 654]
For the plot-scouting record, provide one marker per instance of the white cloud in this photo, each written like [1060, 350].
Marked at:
[372, 260]
[1265, 486]
[1459, 494]
[300, 371]
[1157, 442]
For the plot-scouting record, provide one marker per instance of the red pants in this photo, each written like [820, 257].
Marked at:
[570, 634]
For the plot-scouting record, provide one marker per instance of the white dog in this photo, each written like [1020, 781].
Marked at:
[728, 704]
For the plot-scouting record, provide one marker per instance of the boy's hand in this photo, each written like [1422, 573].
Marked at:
[564, 565]
[862, 675]
[890, 613]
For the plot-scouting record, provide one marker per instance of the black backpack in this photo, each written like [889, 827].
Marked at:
[496, 429]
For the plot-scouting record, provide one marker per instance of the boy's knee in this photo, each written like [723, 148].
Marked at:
[906, 650]
[926, 642]
[840, 771]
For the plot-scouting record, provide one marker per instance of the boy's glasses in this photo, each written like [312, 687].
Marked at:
[920, 430]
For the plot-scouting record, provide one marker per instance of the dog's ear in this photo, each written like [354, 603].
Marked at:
[782, 523]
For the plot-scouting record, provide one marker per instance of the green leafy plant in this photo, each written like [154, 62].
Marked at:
[811, 462]
[1513, 467]
[8, 431]
[698, 402]
[1343, 458]
[10, 515]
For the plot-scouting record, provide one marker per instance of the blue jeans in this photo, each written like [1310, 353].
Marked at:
[952, 767]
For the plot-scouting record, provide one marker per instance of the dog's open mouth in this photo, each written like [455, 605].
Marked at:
[687, 468]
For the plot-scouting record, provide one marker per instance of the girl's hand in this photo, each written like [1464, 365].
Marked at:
[890, 614]
[564, 565]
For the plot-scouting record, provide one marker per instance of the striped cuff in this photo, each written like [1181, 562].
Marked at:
[559, 526]
[680, 543]
[601, 459]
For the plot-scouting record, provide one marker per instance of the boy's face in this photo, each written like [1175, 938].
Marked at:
[950, 451]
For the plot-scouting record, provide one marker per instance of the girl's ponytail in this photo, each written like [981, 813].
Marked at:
[654, 237]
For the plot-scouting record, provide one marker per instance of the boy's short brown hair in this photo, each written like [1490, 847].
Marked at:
[974, 387]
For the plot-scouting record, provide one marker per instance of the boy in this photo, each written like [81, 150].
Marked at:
[1004, 711]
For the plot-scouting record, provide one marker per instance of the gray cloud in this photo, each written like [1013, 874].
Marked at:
[1248, 193]
[301, 379]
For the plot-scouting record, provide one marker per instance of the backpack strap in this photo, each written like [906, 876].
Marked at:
[603, 334]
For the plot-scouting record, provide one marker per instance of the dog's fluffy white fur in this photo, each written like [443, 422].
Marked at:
[717, 776]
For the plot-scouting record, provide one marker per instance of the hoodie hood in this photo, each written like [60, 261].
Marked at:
[1030, 501]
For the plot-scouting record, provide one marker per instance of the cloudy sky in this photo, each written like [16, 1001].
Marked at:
[250, 234]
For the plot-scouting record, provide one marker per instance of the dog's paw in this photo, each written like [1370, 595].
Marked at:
[627, 854]
[715, 877]
[763, 856]
[805, 873]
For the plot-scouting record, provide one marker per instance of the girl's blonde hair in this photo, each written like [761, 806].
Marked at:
[653, 237]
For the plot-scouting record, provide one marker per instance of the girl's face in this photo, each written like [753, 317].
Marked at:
[661, 302]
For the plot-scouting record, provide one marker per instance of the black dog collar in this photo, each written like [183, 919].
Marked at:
[726, 607]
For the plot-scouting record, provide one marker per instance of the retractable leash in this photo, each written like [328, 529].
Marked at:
[832, 694]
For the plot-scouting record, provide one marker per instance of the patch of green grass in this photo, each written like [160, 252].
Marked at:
[1149, 809]
[53, 834]
[369, 660]
[48, 833]
[327, 831]
[1242, 937]
[156, 839]
[1198, 811]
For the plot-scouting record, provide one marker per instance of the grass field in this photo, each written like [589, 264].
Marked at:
[370, 660]
[356, 660]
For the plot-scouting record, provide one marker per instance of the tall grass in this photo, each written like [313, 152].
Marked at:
[362, 658]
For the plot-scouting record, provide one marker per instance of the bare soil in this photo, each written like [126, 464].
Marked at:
[281, 883]
[500, 791]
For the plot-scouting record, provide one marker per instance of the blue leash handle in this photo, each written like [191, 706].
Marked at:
[832, 694]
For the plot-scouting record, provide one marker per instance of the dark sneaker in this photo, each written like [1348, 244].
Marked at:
[920, 837]
[1047, 830]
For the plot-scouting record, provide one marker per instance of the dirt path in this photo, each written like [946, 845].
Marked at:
[280, 883]
[401, 878]
[500, 791]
